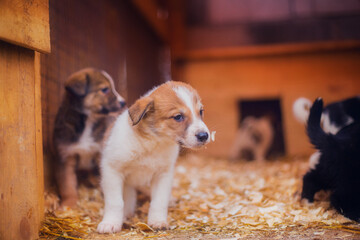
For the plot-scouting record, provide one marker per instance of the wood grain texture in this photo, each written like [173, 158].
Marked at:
[333, 75]
[26, 23]
[149, 10]
[21, 190]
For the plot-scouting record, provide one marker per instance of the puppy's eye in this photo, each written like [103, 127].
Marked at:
[105, 90]
[201, 112]
[179, 118]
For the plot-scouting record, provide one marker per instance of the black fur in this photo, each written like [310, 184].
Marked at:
[338, 169]
[340, 112]
[70, 121]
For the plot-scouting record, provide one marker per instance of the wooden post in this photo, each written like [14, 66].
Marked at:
[24, 23]
[177, 37]
[21, 173]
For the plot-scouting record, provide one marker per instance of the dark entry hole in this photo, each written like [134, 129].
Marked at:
[270, 108]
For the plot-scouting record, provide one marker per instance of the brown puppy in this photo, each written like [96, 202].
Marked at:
[253, 139]
[89, 106]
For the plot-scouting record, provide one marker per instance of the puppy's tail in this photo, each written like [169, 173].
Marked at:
[301, 108]
[316, 134]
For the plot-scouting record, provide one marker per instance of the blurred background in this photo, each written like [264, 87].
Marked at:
[245, 57]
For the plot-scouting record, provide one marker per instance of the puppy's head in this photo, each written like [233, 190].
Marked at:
[96, 90]
[173, 111]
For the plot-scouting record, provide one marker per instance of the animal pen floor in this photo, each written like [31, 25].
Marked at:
[216, 199]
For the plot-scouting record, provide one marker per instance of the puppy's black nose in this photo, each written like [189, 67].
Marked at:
[122, 103]
[202, 136]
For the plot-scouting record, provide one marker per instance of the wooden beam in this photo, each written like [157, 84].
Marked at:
[26, 23]
[149, 9]
[177, 27]
[267, 50]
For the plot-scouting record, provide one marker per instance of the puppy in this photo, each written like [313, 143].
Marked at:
[334, 117]
[142, 148]
[81, 121]
[339, 165]
[253, 139]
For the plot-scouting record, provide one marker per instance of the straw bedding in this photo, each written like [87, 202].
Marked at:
[215, 199]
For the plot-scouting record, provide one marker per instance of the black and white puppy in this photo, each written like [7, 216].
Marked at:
[334, 116]
[338, 169]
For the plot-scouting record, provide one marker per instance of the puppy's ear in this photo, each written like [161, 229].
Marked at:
[78, 84]
[138, 110]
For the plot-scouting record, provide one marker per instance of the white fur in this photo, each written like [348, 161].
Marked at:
[314, 159]
[86, 148]
[197, 125]
[131, 161]
[330, 127]
[301, 109]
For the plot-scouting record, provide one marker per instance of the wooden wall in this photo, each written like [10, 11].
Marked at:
[332, 75]
[109, 35]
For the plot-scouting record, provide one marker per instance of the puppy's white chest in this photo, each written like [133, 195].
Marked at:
[141, 171]
[86, 148]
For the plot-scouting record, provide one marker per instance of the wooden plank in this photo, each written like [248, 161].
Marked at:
[26, 23]
[149, 10]
[268, 50]
[21, 187]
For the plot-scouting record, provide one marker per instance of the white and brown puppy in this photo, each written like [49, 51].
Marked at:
[142, 149]
[82, 119]
[253, 139]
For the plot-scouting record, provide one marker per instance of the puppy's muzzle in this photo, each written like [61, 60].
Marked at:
[122, 104]
[202, 136]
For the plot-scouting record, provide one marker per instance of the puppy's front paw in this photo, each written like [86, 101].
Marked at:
[109, 227]
[69, 203]
[158, 225]
[305, 202]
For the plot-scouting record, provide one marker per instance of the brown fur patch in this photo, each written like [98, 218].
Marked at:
[165, 105]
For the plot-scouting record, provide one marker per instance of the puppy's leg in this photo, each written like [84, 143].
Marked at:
[112, 185]
[160, 197]
[260, 153]
[347, 204]
[311, 185]
[129, 201]
[67, 182]
[236, 147]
